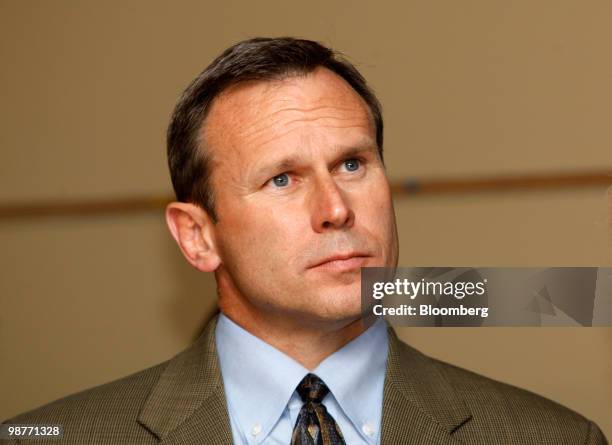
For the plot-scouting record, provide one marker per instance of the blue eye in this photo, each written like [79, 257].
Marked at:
[352, 164]
[281, 180]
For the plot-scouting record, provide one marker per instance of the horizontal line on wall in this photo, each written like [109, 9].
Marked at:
[408, 188]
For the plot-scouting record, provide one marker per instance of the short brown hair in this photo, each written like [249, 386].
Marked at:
[259, 58]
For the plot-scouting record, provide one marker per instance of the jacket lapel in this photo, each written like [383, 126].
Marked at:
[187, 404]
[419, 404]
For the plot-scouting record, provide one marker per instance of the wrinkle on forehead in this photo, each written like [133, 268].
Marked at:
[262, 136]
[310, 114]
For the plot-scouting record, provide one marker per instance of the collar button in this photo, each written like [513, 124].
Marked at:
[256, 430]
[367, 430]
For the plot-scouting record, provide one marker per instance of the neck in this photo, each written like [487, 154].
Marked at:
[306, 340]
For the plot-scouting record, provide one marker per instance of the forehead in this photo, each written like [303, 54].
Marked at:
[252, 118]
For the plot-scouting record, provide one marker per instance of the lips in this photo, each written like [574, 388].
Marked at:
[342, 261]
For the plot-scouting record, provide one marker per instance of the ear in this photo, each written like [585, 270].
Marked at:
[193, 231]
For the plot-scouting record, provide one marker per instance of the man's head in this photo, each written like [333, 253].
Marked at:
[275, 153]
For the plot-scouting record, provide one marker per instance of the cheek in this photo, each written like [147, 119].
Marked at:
[258, 240]
[378, 219]
[378, 209]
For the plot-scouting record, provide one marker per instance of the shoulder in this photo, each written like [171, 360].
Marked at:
[504, 413]
[502, 409]
[90, 412]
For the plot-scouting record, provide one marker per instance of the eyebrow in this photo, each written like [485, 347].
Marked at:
[290, 162]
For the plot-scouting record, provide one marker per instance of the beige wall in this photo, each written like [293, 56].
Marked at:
[468, 87]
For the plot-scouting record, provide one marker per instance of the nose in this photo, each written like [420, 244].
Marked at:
[330, 206]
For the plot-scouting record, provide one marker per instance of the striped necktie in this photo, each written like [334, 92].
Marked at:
[314, 425]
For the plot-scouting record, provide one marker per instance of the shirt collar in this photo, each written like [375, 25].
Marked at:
[259, 379]
[355, 375]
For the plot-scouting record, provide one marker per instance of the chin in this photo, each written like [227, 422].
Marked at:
[341, 309]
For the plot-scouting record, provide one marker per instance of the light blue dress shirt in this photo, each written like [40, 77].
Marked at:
[260, 382]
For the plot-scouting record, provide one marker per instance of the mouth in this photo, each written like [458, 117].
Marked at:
[342, 262]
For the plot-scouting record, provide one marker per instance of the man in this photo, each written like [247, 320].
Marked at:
[275, 153]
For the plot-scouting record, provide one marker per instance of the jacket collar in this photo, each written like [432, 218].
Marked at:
[190, 394]
[418, 400]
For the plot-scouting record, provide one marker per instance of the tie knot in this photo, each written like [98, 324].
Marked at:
[312, 389]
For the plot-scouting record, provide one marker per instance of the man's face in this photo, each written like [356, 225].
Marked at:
[298, 180]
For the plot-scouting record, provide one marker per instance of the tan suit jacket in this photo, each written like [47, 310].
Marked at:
[425, 401]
